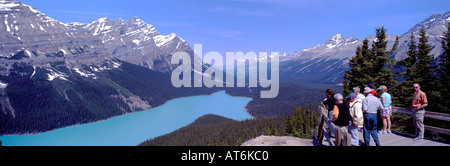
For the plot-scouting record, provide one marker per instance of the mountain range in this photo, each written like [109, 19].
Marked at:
[54, 74]
[327, 62]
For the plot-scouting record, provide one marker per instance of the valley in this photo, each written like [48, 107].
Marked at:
[54, 75]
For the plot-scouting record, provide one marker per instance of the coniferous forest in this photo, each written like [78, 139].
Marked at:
[375, 64]
[292, 113]
[213, 130]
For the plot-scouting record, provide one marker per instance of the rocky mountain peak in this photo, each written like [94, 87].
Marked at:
[434, 24]
[336, 39]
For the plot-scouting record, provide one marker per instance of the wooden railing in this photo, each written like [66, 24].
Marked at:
[428, 114]
[329, 131]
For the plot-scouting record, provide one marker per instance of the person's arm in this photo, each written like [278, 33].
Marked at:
[325, 101]
[422, 106]
[358, 110]
[383, 100]
[335, 113]
[365, 105]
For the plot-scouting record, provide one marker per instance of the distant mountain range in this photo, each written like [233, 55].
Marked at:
[136, 42]
[327, 62]
[54, 75]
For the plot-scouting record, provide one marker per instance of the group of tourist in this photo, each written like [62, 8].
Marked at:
[362, 110]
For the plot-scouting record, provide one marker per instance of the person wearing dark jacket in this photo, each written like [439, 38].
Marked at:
[330, 102]
[341, 117]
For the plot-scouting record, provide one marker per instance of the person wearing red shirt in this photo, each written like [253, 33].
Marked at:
[418, 104]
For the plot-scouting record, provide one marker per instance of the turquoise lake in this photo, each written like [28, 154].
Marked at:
[134, 128]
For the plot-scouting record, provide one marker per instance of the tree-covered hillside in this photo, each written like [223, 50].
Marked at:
[213, 130]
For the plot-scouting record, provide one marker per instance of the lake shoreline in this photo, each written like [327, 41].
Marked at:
[34, 133]
[220, 91]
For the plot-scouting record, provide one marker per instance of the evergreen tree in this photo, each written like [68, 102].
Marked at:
[444, 72]
[382, 71]
[386, 76]
[373, 65]
[409, 68]
[418, 68]
[425, 68]
[358, 76]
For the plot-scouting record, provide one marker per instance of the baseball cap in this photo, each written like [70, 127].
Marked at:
[351, 95]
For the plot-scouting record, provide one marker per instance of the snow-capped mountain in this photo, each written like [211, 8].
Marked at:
[327, 62]
[30, 31]
[37, 35]
[54, 75]
[337, 47]
[435, 26]
[136, 42]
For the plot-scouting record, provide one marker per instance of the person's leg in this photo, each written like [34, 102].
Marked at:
[415, 123]
[344, 135]
[366, 134]
[420, 125]
[389, 114]
[384, 124]
[373, 132]
[353, 130]
[388, 124]
[379, 121]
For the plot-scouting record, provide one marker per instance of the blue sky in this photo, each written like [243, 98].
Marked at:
[283, 26]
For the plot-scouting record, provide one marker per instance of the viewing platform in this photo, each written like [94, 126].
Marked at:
[324, 137]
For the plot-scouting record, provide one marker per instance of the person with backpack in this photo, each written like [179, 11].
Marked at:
[357, 118]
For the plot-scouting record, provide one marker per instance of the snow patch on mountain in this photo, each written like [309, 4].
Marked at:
[54, 74]
[161, 40]
[3, 85]
[85, 74]
[6, 5]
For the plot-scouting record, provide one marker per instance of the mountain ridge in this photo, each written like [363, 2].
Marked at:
[54, 75]
[327, 62]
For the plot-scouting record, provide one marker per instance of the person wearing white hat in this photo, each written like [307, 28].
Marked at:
[341, 117]
[370, 106]
[359, 95]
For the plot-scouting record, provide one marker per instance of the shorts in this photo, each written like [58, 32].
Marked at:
[387, 111]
